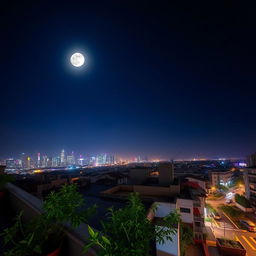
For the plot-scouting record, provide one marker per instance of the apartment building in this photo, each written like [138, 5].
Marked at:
[221, 177]
[250, 185]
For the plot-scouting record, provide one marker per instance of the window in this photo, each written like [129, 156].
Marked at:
[186, 210]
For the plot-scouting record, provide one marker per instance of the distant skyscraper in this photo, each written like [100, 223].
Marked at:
[62, 158]
[92, 160]
[24, 160]
[110, 159]
[49, 162]
[18, 163]
[38, 160]
[10, 163]
[101, 159]
[80, 160]
[56, 161]
[44, 161]
[28, 162]
[71, 159]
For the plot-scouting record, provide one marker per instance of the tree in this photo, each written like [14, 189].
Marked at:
[128, 232]
[186, 238]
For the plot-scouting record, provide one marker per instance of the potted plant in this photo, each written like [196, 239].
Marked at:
[129, 232]
[44, 234]
[4, 178]
[230, 247]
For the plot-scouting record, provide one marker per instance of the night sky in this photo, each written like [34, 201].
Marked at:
[174, 81]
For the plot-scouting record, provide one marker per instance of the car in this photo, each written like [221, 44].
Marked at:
[216, 216]
[249, 225]
[229, 201]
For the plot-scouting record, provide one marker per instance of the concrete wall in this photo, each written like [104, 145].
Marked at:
[243, 208]
[150, 190]
[174, 189]
[169, 247]
[139, 175]
[164, 209]
[185, 203]
[166, 174]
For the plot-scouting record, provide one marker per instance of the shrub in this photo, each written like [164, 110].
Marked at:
[128, 232]
[242, 201]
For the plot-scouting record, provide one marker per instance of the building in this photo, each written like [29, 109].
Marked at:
[38, 160]
[62, 158]
[163, 174]
[110, 159]
[24, 160]
[10, 163]
[101, 159]
[221, 177]
[44, 161]
[250, 184]
[188, 198]
[71, 159]
[56, 162]
[251, 160]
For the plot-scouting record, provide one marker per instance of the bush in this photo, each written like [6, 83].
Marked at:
[210, 208]
[222, 188]
[231, 211]
[242, 201]
[128, 232]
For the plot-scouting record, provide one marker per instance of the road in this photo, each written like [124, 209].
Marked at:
[225, 228]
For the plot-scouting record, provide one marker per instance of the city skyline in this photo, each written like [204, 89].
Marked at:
[128, 156]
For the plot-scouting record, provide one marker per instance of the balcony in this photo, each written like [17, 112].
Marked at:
[198, 229]
[197, 218]
[196, 203]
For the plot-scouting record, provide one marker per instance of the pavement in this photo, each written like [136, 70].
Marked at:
[227, 229]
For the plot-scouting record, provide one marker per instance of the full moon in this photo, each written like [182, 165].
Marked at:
[77, 59]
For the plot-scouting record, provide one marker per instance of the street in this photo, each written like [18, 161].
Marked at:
[227, 229]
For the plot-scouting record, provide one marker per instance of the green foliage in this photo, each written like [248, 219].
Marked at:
[66, 205]
[222, 188]
[231, 211]
[210, 208]
[230, 243]
[186, 238]
[128, 232]
[242, 201]
[208, 219]
[5, 178]
[26, 239]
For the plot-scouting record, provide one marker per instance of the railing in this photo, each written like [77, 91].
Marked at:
[197, 218]
[198, 229]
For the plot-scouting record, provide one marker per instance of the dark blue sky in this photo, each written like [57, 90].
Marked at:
[171, 80]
